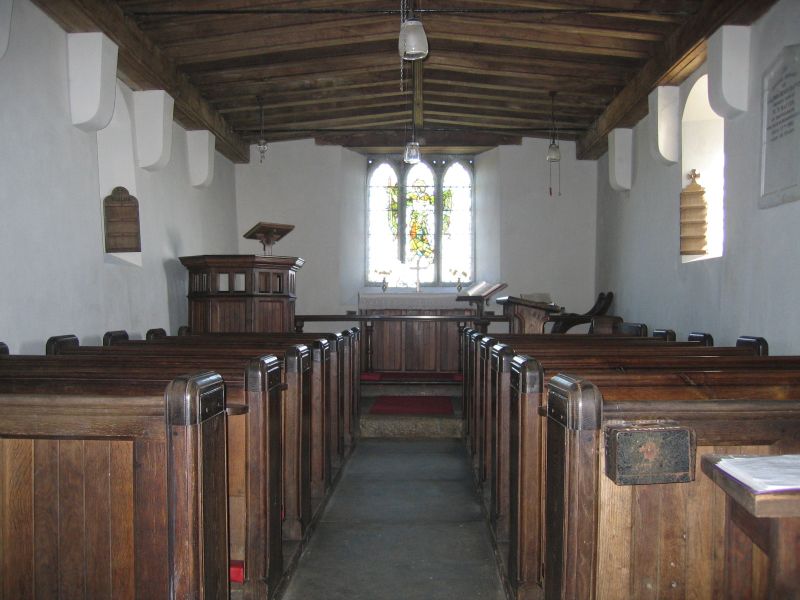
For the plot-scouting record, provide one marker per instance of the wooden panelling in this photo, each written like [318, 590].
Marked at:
[271, 316]
[229, 315]
[66, 519]
[412, 346]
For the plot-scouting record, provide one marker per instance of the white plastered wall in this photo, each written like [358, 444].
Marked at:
[55, 278]
[754, 289]
[533, 241]
[319, 190]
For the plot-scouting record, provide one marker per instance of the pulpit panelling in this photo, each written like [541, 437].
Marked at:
[241, 293]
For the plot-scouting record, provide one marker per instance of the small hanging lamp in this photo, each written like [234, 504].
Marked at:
[262, 141]
[553, 151]
[412, 44]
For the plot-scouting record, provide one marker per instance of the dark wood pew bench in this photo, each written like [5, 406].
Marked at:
[608, 538]
[118, 492]
[331, 421]
[482, 407]
[254, 470]
[350, 371]
[296, 410]
[518, 469]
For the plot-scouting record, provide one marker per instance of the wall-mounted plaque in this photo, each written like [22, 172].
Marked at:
[780, 147]
[121, 219]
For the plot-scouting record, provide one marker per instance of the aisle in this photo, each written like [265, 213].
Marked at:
[403, 524]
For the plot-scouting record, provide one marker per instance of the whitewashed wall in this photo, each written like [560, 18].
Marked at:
[528, 239]
[54, 276]
[319, 190]
[754, 289]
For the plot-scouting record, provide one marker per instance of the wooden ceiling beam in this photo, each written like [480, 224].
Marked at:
[395, 140]
[526, 67]
[335, 97]
[321, 67]
[541, 111]
[510, 85]
[682, 47]
[301, 85]
[143, 66]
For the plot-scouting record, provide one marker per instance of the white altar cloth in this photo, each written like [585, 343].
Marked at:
[410, 300]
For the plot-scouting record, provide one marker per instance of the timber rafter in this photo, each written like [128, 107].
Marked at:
[329, 69]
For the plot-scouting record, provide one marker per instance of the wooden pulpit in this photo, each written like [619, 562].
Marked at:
[241, 293]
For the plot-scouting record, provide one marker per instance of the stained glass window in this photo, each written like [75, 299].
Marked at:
[420, 223]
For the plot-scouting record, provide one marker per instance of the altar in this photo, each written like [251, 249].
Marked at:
[406, 346]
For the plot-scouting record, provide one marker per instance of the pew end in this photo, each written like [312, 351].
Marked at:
[114, 337]
[759, 344]
[3, 348]
[59, 343]
[665, 334]
[706, 339]
[155, 334]
[115, 492]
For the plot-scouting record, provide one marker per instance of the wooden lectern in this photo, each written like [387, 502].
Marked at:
[241, 293]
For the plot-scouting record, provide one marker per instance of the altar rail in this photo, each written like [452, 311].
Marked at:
[367, 348]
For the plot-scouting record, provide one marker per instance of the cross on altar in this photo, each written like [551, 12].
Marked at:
[418, 268]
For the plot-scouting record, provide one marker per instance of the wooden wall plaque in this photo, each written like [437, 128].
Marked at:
[121, 219]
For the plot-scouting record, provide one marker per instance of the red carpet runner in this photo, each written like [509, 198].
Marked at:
[412, 405]
[411, 376]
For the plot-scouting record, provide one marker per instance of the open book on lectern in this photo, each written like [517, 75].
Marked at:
[482, 289]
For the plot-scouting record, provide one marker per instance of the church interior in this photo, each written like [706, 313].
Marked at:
[433, 299]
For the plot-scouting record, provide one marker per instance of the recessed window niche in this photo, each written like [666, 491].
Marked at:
[703, 149]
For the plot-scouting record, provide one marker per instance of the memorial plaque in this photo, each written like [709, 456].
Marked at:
[780, 149]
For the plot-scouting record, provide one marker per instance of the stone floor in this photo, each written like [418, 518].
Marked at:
[404, 523]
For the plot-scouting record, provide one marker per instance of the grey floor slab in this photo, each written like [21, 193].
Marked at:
[403, 524]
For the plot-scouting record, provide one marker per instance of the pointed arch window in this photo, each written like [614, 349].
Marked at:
[420, 222]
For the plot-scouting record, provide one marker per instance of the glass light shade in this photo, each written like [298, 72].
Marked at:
[413, 43]
[411, 153]
[553, 153]
[262, 148]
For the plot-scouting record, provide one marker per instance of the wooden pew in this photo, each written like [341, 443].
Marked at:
[344, 377]
[324, 401]
[519, 430]
[526, 544]
[482, 408]
[297, 505]
[652, 539]
[119, 492]
[255, 481]
[476, 362]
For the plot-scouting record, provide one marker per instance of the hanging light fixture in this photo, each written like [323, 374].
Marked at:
[412, 43]
[553, 151]
[411, 154]
[262, 141]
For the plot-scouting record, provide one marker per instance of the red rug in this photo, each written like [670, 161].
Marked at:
[412, 405]
[409, 376]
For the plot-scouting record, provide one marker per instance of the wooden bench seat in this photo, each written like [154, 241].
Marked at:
[119, 493]
[332, 373]
[254, 482]
[609, 540]
[296, 410]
